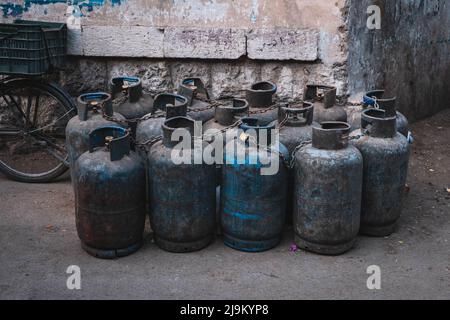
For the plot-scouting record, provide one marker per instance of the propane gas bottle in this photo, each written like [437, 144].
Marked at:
[254, 188]
[260, 97]
[375, 99]
[227, 113]
[327, 196]
[166, 106]
[132, 102]
[295, 130]
[110, 207]
[223, 127]
[386, 157]
[324, 99]
[199, 104]
[91, 107]
[295, 124]
[182, 189]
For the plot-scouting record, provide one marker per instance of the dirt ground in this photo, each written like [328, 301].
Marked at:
[39, 242]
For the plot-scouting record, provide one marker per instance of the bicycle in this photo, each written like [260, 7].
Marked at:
[33, 111]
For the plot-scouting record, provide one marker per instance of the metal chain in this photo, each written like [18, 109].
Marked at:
[145, 146]
[221, 131]
[157, 114]
[273, 106]
[355, 137]
[303, 144]
[120, 99]
[290, 165]
[212, 104]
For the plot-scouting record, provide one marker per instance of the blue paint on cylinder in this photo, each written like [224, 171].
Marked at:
[252, 204]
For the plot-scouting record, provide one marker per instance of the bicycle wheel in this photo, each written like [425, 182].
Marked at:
[33, 118]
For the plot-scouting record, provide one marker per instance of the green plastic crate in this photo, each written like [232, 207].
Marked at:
[32, 47]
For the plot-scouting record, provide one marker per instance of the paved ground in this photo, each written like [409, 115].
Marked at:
[38, 242]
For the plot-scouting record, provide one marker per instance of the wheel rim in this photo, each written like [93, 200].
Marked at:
[32, 129]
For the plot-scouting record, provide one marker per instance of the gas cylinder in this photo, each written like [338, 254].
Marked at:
[91, 107]
[182, 194]
[166, 106]
[386, 157]
[327, 196]
[200, 106]
[375, 99]
[254, 189]
[110, 207]
[227, 114]
[324, 99]
[134, 103]
[261, 102]
[295, 129]
[295, 125]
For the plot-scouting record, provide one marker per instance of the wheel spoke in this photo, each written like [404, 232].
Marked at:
[29, 104]
[36, 107]
[32, 133]
[15, 105]
[51, 148]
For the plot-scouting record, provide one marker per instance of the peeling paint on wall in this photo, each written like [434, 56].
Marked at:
[15, 9]
[254, 14]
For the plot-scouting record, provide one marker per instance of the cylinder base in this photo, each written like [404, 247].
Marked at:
[113, 253]
[181, 247]
[250, 246]
[378, 231]
[324, 249]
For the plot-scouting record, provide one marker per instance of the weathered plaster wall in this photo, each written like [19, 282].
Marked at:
[229, 43]
[233, 43]
[409, 55]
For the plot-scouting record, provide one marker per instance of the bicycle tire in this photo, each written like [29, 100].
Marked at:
[66, 101]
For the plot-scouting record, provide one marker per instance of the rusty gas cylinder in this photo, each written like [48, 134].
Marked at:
[327, 196]
[386, 157]
[200, 107]
[135, 104]
[376, 99]
[182, 191]
[324, 99]
[91, 107]
[295, 129]
[166, 106]
[110, 207]
[254, 189]
[227, 113]
[260, 97]
[224, 125]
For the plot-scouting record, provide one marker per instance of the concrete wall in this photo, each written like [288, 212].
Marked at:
[228, 43]
[232, 44]
[409, 55]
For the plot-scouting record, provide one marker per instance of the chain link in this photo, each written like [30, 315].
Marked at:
[290, 165]
[212, 104]
[157, 114]
[145, 146]
[273, 106]
[120, 99]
